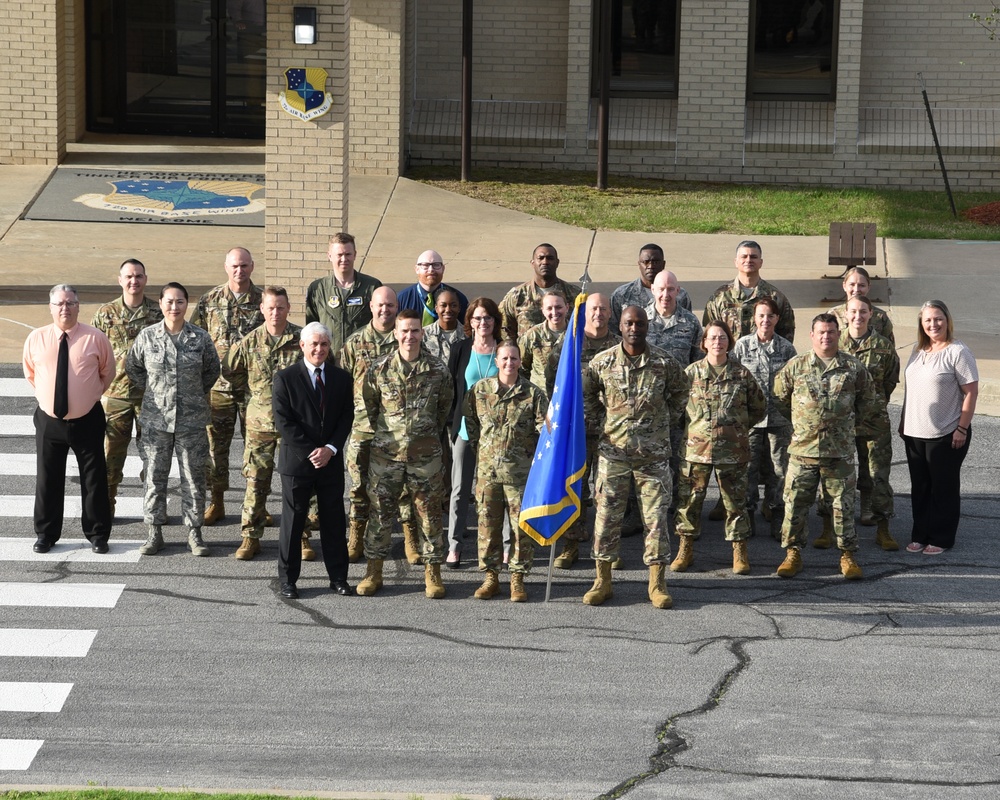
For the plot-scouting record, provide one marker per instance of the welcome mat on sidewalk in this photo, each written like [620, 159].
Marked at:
[101, 195]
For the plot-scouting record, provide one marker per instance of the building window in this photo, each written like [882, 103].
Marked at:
[793, 49]
[644, 36]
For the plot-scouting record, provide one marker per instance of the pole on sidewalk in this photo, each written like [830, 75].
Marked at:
[604, 96]
[466, 90]
[937, 144]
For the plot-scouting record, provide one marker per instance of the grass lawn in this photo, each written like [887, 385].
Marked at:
[632, 204]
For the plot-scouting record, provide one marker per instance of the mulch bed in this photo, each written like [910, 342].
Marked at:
[988, 214]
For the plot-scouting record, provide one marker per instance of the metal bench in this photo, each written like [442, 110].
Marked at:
[852, 244]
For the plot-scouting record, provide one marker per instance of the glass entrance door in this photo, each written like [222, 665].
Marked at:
[189, 67]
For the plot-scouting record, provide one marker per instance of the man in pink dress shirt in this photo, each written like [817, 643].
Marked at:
[69, 417]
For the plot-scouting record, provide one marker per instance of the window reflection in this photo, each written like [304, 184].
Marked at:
[643, 44]
[793, 48]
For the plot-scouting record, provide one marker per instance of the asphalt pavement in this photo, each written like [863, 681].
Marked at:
[188, 672]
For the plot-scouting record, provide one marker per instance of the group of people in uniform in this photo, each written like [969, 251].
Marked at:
[448, 390]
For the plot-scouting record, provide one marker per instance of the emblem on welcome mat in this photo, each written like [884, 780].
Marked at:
[176, 199]
[305, 96]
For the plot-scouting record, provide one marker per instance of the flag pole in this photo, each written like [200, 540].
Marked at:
[552, 562]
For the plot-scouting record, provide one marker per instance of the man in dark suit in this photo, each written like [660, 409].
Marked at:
[313, 412]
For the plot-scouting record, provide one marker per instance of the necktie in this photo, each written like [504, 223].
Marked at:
[320, 391]
[60, 406]
[429, 314]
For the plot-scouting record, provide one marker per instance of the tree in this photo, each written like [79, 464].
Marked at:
[990, 21]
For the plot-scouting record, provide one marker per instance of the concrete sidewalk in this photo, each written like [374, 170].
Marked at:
[487, 249]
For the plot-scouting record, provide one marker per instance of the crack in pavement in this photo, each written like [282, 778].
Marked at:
[324, 621]
[195, 598]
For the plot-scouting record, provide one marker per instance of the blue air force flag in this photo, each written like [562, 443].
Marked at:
[551, 500]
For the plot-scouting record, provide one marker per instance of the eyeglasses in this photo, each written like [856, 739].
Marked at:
[430, 264]
[482, 320]
[66, 304]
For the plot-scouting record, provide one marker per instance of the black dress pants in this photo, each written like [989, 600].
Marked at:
[935, 488]
[296, 491]
[54, 438]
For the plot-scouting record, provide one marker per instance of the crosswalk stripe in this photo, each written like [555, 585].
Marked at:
[120, 551]
[45, 643]
[15, 387]
[23, 505]
[36, 698]
[17, 754]
[24, 464]
[16, 425]
[61, 595]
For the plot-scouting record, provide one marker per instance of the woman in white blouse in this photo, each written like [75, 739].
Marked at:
[942, 384]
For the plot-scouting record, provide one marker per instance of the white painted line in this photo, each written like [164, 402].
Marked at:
[36, 698]
[18, 753]
[23, 505]
[45, 643]
[61, 595]
[16, 387]
[24, 464]
[121, 551]
[16, 425]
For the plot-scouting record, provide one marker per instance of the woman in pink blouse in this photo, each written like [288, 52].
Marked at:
[942, 384]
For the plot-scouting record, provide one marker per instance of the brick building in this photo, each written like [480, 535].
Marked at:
[763, 91]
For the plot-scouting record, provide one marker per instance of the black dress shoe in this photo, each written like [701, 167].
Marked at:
[342, 588]
[42, 546]
[288, 590]
[99, 546]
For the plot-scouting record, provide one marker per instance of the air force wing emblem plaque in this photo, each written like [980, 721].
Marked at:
[305, 94]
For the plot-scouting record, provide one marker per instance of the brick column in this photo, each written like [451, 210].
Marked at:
[711, 91]
[377, 87]
[33, 100]
[307, 162]
[848, 80]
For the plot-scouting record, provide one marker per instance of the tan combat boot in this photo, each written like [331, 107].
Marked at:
[685, 554]
[827, 538]
[490, 586]
[517, 592]
[718, 512]
[433, 587]
[247, 550]
[196, 544]
[569, 555]
[216, 509]
[355, 541]
[411, 543]
[658, 594]
[883, 538]
[601, 590]
[308, 554]
[268, 519]
[372, 581]
[741, 561]
[792, 565]
[849, 567]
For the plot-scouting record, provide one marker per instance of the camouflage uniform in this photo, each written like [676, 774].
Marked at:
[251, 365]
[343, 311]
[643, 398]
[438, 342]
[878, 323]
[540, 349]
[678, 334]
[503, 427]
[730, 304]
[122, 400]
[635, 294]
[408, 405]
[591, 347]
[724, 403]
[227, 321]
[176, 377]
[362, 349]
[521, 307]
[828, 407]
[770, 437]
[878, 355]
